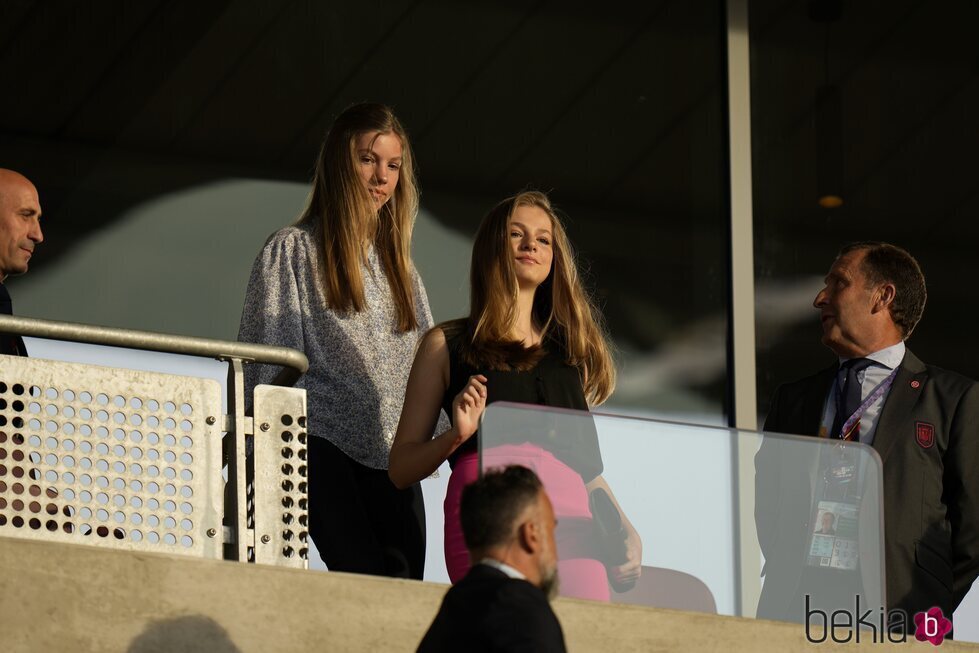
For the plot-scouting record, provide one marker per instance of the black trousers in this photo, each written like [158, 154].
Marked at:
[360, 522]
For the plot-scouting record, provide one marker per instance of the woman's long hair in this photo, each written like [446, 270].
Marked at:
[345, 218]
[562, 309]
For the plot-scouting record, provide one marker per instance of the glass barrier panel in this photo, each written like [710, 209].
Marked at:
[721, 520]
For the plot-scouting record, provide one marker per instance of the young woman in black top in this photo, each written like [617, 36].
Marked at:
[532, 336]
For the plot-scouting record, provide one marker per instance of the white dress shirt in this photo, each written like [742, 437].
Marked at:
[884, 362]
[501, 566]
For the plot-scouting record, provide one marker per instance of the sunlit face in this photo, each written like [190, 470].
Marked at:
[532, 244]
[547, 560]
[378, 159]
[20, 226]
[846, 306]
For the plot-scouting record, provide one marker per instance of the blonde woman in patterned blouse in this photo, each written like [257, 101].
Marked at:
[340, 286]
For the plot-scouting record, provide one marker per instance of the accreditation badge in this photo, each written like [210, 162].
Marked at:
[833, 543]
[835, 512]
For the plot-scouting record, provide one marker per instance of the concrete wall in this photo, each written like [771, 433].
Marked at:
[75, 598]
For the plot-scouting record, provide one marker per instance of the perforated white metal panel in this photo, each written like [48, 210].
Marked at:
[113, 457]
[280, 510]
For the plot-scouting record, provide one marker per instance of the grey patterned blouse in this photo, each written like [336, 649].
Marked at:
[358, 362]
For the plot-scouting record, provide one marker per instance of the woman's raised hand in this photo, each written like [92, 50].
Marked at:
[624, 576]
[468, 406]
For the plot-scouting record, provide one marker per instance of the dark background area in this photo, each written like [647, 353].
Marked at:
[617, 109]
[908, 79]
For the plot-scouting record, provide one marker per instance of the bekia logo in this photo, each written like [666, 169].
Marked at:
[843, 626]
[931, 626]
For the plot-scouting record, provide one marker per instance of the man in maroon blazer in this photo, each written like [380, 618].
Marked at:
[922, 420]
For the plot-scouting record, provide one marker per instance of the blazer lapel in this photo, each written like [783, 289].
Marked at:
[814, 403]
[901, 400]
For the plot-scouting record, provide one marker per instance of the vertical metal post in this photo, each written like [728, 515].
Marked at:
[742, 235]
[236, 504]
[742, 341]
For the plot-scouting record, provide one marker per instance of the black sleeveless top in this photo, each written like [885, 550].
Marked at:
[552, 382]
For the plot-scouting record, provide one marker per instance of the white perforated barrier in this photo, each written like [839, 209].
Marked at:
[113, 457]
[279, 487]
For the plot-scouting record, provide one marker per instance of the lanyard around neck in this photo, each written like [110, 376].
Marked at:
[874, 395]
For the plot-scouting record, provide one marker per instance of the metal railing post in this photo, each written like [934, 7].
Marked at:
[294, 362]
[235, 445]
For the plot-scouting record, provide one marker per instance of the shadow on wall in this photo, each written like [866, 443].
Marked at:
[191, 634]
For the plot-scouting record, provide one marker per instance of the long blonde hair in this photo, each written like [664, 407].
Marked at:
[562, 310]
[343, 214]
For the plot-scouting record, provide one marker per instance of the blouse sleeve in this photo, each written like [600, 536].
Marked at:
[423, 312]
[272, 312]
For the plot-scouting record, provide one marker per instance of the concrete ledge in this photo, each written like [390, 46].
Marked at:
[56, 597]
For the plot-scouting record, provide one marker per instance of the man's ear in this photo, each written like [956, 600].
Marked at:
[885, 297]
[529, 535]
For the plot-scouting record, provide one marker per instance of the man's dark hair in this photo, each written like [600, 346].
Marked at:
[886, 263]
[491, 506]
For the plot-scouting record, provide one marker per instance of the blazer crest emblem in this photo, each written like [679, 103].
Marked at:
[925, 434]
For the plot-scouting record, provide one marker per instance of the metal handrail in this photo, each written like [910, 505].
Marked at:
[294, 362]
